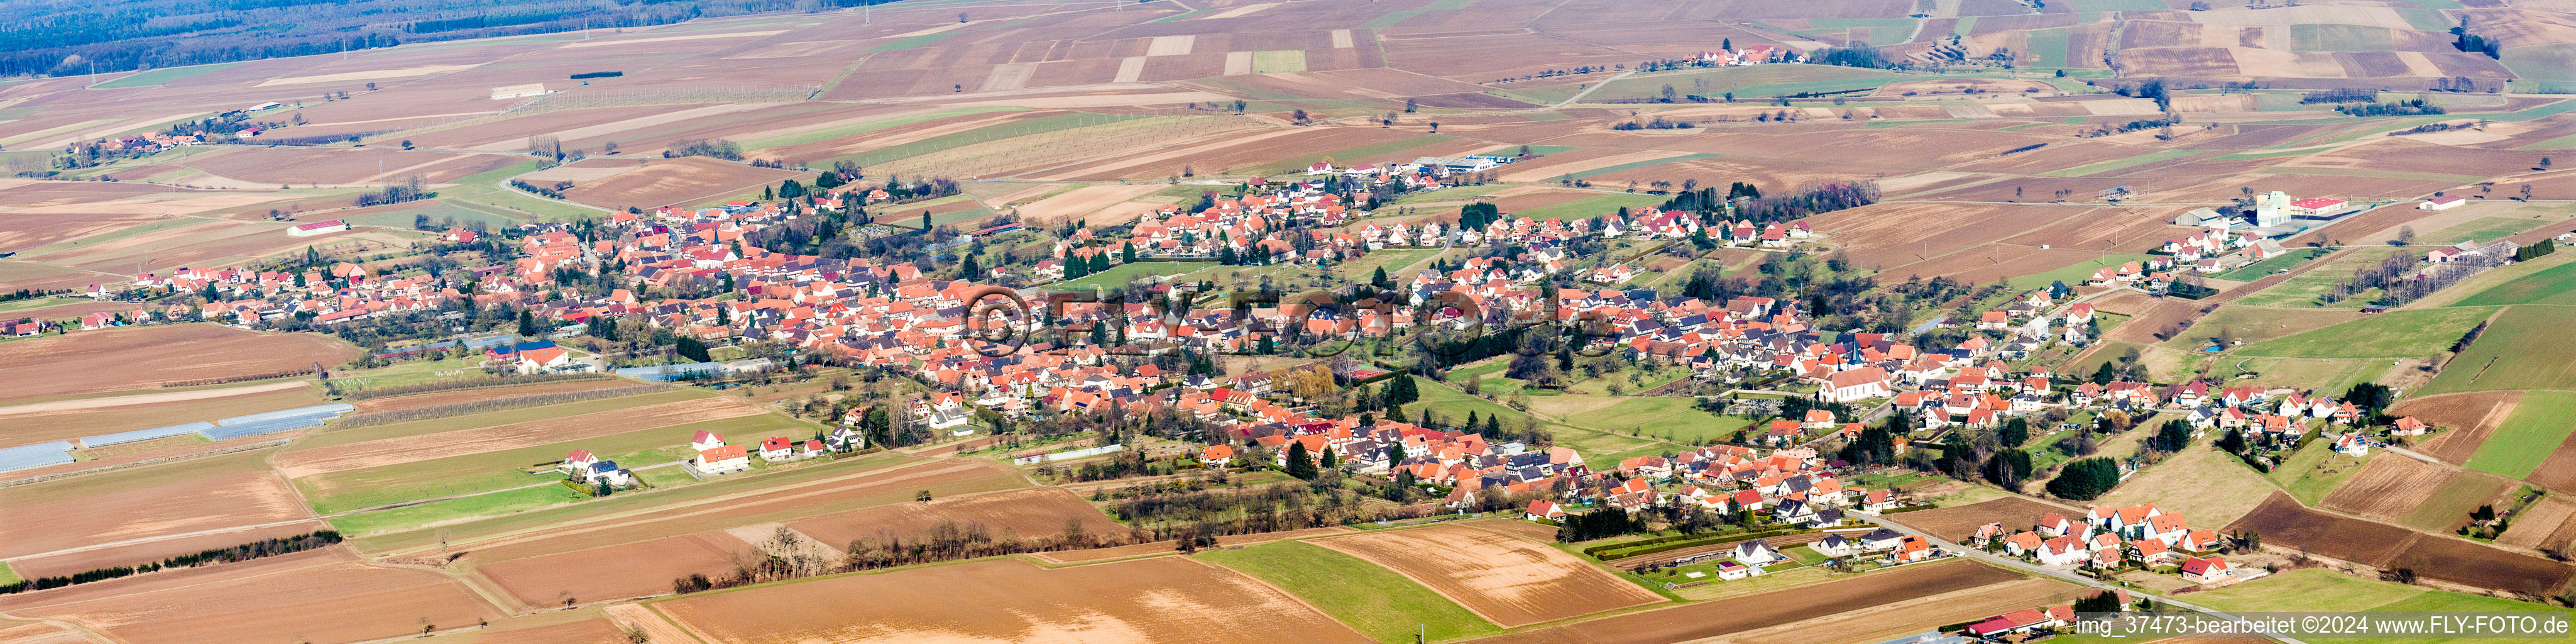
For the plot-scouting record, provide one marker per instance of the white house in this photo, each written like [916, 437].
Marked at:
[1857, 384]
[706, 440]
[1756, 552]
[2204, 570]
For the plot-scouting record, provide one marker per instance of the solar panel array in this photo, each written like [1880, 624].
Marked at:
[103, 440]
[37, 455]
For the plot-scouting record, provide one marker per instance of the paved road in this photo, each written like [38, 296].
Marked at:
[2068, 575]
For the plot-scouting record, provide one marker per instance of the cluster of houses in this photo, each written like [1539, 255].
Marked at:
[2110, 538]
[716, 457]
[1752, 55]
[584, 468]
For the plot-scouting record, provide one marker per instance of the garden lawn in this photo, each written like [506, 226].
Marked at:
[2395, 334]
[2311, 472]
[1373, 600]
[2529, 436]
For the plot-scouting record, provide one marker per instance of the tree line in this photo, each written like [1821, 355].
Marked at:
[244, 552]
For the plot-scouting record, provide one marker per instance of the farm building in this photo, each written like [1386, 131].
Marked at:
[317, 228]
[2442, 203]
[518, 91]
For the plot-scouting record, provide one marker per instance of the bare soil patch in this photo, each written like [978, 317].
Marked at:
[318, 596]
[1026, 514]
[1692, 622]
[2541, 525]
[406, 449]
[1163, 599]
[112, 359]
[1076, 203]
[2467, 420]
[2388, 488]
[1957, 523]
[180, 500]
[682, 181]
[1506, 579]
[616, 572]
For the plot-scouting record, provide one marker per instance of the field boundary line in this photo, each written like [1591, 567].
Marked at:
[164, 459]
[1417, 580]
[630, 517]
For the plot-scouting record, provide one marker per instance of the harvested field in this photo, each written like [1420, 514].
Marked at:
[1507, 580]
[2388, 488]
[1025, 514]
[1956, 523]
[272, 166]
[187, 496]
[68, 563]
[1230, 153]
[321, 596]
[683, 181]
[2543, 525]
[2206, 485]
[433, 399]
[631, 570]
[1892, 235]
[2283, 522]
[588, 631]
[1169, 547]
[2470, 563]
[65, 419]
[124, 358]
[1163, 599]
[1697, 621]
[1079, 202]
[391, 451]
[21, 233]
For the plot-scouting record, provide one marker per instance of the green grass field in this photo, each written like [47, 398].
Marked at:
[438, 210]
[2527, 438]
[1287, 61]
[498, 503]
[2075, 274]
[2554, 285]
[2395, 334]
[2117, 164]
[472, 473]
[2048, 49]
[915, 41]
[2548, 68]
[2521, 349]
[1373, 600]
[2261, 269]
[1390, 19]
[485, 189]
[2313, 471]
[8, 576]
[2325, 589]
[2482, 230]
[1120, 275]
[163, 75]
[1392, 259]
[1671, 418]
[2302, 290]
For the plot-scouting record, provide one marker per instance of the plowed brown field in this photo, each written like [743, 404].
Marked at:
[321, 596]
[1163, 599]
[1693, 622]
[1506, 579]
[2388, 488]
[126, 358]
[200, 494]
[2541, 526]
[2467, 420]
[616, 572]
[1027, 514]
[1166, 547]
